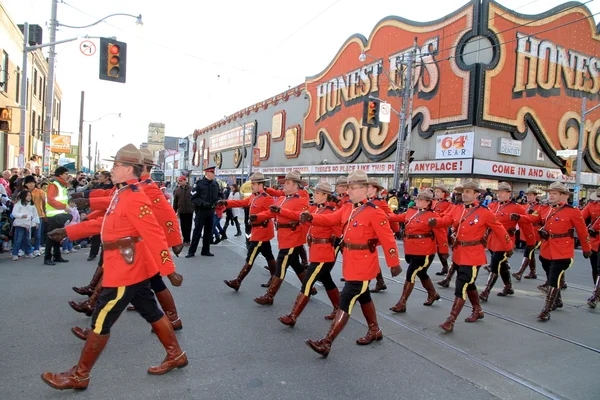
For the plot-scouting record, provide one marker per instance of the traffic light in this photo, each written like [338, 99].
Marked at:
[567, 168]
[371, 113]
[409, 157]
[113, 60]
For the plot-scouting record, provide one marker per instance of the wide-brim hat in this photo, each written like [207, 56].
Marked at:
[342, 180]
[258, 177]
[596, 195]
[375, 183]
[148, 158]
[128, 154]
[504, 186]
[533, 190]
[558, 187]
[358, 178]
[442, 187]
[324, 187]
[469, 184]
[295, 176]
[425, 194]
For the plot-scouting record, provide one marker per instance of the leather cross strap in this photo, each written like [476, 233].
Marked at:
[123, 242]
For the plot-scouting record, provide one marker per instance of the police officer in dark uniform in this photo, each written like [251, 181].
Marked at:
[204, 196]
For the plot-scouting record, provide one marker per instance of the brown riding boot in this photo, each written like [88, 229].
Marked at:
[550, 299]
[531, 274]
[432, 295]
[380, 284]
[323, 346]
[80, 333]
[334, 297]
[374, 332]
[459, 303]
[524, 265]
[175, 358]
[78, 377]
[400, 306]
[563, 282]
[272, 267]
[235, 283]
[488, 287]
[267, 298]
[444, 260]
[167, 303]
[507, 283]
[290, 319]
[87, 306]
[595, 295]
[89, 289]
[477, 312]
[446, 281]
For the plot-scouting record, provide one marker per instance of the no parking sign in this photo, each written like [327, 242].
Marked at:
[384, 112]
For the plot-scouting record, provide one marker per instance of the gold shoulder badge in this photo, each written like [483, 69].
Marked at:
[383, 222]
[165, 256]
[169, 225]
[392, 252]
[156, 200]
[144, 210]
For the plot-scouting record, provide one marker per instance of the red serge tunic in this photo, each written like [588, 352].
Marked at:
[286, 236]
[502, 211]
[416, 223]
[129, 215]
[258, 203]
[592, 211]
[361, 222]
[529, 232]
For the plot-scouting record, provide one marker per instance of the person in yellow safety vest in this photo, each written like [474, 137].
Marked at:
[55, 211]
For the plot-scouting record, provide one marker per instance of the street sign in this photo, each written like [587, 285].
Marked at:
[87, 48]
[566, 153]
[384, 112]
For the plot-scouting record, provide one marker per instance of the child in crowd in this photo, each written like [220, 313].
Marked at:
[26, 218]
[218, 232]
[67, 246]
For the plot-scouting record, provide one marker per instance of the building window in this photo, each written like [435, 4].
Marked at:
[4, 73]
[39, 124]
[33, 119]
[18, 95]
[35, 83]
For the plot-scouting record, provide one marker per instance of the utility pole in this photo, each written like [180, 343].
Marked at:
[409, 73]
[90, 149]
[79, 155]
[23, 99]
[584, 112]
[50, 87]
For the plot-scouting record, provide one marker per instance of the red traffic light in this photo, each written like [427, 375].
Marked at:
[114, 49]
[372, 104]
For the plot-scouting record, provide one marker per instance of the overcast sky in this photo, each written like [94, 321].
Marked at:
[194, 61]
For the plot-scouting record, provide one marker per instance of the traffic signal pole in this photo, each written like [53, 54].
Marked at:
[409, 116]
[400, 145]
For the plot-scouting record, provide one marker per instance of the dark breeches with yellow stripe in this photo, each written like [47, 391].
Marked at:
[352, 292]
[157, 284]
[418, 266]
[466, 275]
[255, 248]
[555, 269]
[530, 250]
[318, 272]
[498, 261]
[113, 300]
[288, 258]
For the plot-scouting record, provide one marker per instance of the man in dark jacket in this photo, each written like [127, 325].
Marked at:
[204, 196]
[182, 203]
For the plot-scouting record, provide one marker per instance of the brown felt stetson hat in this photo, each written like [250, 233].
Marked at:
[442, 187]
[425, 194]
[469, 184]
[595, 196]
[128, 154]
[375, 183]
[342, 180]
[533, 190]
[358, 178]
[504, 186]
[557, 186]
[324, 187]
[148, 158]
[258, 177]
[295, 176]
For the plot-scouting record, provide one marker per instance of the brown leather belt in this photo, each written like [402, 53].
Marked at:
[467, 244]
[313, 240]
[263, 224]
[291, 225]
[356, 246]
[561, 235]
[537, 224]
[420, 236]
[123, 242]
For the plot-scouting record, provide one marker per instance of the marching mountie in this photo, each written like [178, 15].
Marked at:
[290, 235]
[529, 233]
[595, 297]
[440, 205]
[373, 197]
[470, 221]
[592, 212]
[322, 255]
[134, 247]
[261, 233]
[502, 209]
[364, 225]
[204, 196]
[559, 221]
[341, 190]
[419, 248]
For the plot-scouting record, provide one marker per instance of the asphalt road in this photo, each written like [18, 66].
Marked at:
[238, 349]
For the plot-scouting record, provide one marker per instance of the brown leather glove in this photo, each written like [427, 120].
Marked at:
[222, 203]
[397, 270]
[253, 218]
[587, 254]
[515, 217]
[432, 222]
[175, 278]
[57, 234]
[177, 249]
[82, 203]
[509, 253]
[77, 195]
[275, 209]
[306, 216]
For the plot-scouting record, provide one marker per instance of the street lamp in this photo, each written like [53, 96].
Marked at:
[584, 112]
[89, 156]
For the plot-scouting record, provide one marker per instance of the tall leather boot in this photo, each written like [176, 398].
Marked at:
[595, 295]
[80, 333]
[78, 377]
[89, 289]
[550, 298]
[272, 267]
[524, 265]
[167, 303]
[488, 287]
[558, 303]
[458, 305]
[400, 306]
[380, 283]
[235, 283]
[87, 306]
[301, 276]
[477, 312]
[237, 225]
[532, 267]
[323, 346]
[290, 319]
[446, 281]
[175, 358]
[505, 274]
[374, 331]
[334, 297]
[267, 298]
[563, 282]
[444, 260]
[432, 295]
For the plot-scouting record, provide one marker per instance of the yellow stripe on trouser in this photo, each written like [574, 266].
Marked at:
[106, 309]
[254, 252]
[534, 248]
[311, 279]
[473, 276]
[284, 263]
[563, 272]
[365, 287]
[412, 277]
